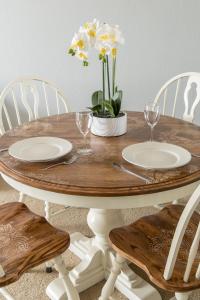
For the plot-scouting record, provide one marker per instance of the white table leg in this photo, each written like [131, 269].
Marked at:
[96, 260]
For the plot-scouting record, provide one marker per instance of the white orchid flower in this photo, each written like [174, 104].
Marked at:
[90, 28]
[116, 35]
[82, 55]
[109, 37]
[80, 42]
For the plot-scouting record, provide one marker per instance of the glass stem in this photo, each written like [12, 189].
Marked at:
[85, 141]
[151, 133]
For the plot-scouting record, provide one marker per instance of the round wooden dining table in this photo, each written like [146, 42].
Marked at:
[92, 182]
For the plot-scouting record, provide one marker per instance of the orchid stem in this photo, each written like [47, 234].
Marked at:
[108, 77]
[113, 74]
[103, 79]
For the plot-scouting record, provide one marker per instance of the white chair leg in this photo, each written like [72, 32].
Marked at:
[6, 294]
[47, 210]
[110, 283]
[175, 202]
[72, 293]
[48, 264]
[182, 296]
[21, 197]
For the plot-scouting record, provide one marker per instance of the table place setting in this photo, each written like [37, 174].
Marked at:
[145, 156]
[45, 149]
[153, 155]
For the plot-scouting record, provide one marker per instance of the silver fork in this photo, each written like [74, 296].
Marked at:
[65, 162]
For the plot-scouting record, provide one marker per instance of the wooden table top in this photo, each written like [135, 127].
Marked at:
[94, 175]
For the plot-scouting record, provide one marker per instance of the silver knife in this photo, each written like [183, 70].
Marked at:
[4, 149]
[136, 174]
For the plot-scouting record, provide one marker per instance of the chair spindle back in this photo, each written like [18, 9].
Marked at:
[175, 84]
[28, 99]
[178, 237]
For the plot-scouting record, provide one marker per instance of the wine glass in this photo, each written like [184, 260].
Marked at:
[83, 122]
[152, 116]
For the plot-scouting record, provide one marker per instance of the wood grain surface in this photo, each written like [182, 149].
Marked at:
[26, 240]
[94, 175]
[147, 241]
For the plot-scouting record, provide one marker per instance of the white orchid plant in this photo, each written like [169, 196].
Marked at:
[106, 39]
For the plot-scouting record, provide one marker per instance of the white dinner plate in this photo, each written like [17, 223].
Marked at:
[155, 155]
[38, 149]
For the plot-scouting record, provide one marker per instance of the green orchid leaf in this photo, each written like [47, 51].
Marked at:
[115, 96]
[96, 109]
[116, 102]
[118, 106]
[97, 98]
[108, 106]
[118, 95]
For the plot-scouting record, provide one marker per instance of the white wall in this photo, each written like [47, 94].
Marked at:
[162, 40]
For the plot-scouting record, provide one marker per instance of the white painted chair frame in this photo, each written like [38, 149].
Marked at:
[70, 290]
[193, 77]
[25, 84]
[173, 252]
[28, 83]
[189, 112]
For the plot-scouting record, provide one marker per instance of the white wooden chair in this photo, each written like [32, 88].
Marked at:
[28, 240]
[177, 90]
[166, 246]
[180, 97]
[27, 99]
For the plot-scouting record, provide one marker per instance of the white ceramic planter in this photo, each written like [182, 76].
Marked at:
[109, 126]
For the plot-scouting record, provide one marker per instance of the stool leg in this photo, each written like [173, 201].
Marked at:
[6, 294]
[47, 210]
[47, 216]
[71, 292]
[110, 283]
[182, 296]
[21, 197]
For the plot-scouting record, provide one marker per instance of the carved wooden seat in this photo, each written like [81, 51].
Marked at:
[164, 245]
[18, 94]
[146, 243]
[26, 241]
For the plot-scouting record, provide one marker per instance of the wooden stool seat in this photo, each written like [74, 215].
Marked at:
[147, 241]
[26, 240]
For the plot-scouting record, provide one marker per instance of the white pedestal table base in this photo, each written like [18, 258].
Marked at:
[96, 261]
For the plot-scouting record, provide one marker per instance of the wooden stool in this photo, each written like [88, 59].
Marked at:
[164, 245]
[26, 241]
